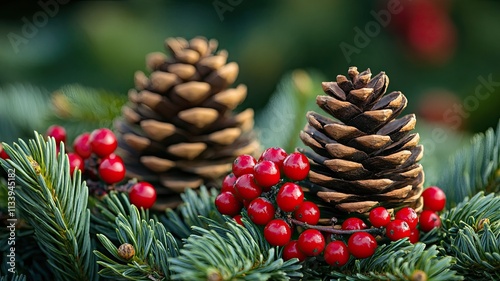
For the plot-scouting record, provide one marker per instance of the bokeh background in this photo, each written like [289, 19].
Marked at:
[436, 52]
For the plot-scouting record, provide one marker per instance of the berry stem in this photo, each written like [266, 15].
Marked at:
[330, 229]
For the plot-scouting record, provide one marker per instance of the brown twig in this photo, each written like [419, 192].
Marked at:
[330, 229]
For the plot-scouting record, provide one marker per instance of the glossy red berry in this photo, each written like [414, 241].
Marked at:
[379, 217]
[57, 132]
[289, 197]
[408, 215]
[267, 174]
[434, 198]
[3, 154]
[397, 229]
[296, 166]
[311, 242]
[277, 232]
[228, 183]
[75, 162]
[353, 224]
[361, 245]
[429, 220]
[81, 145]
[336, 253]
[103, 142]
[307, 212]
[142, 194]
[274, 154]
[112, 169]
[238, 220]
[228, 204]
[246, 188]
[414, 236]
[260, 211]
[243, 164]
[291, 250]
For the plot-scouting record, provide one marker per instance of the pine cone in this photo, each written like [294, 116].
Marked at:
[366, 157]
[178, 129]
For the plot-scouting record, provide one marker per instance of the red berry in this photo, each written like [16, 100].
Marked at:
[361, 245]
[379, 217]
[291, 250]
[289, 197]
[397, 229]
[307, 212]
[336, 253]
[277, 232]
[243, 164]
[237, 219]
[228, 183]
[112, 169]
[414, 236]
[103, 142]
[434, 198]
[267, 174]
[296, 166]
[246, 188]
[353, 224]
[81, 145]
[274, 154]
[408, 215]
[3, 154]
[228, 204]
[429, 220]
[57, 132]
[311, 242]
[142, 194]
[260, 211]
[75, 162]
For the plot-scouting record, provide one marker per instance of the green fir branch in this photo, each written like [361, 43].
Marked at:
[54, 203]
[196, 204]
[81, 109]
[281, 120]
[474, 168]
[229, 251]
[14, 277]
[154, 246]
[471, 233]
[399, 260]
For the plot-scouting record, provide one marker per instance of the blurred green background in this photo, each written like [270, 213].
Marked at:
[436, 52]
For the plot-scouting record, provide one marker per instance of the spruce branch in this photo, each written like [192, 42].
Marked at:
[154, 246]
[80, 108]
[471, 233]
[195, 205]
[474, 168]
[54, 203]
[399, 260]
[14, 277]
[229, 251]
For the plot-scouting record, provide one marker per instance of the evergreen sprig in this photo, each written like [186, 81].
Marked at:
[81, 109]
[471, 233]
[13, 278]
[196, 204]
[474, 168]
[230, 251]
[54, 203]
[397, 260]
[154, 246]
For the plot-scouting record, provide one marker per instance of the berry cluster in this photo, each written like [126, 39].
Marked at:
[268, 193]
[94, 154]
